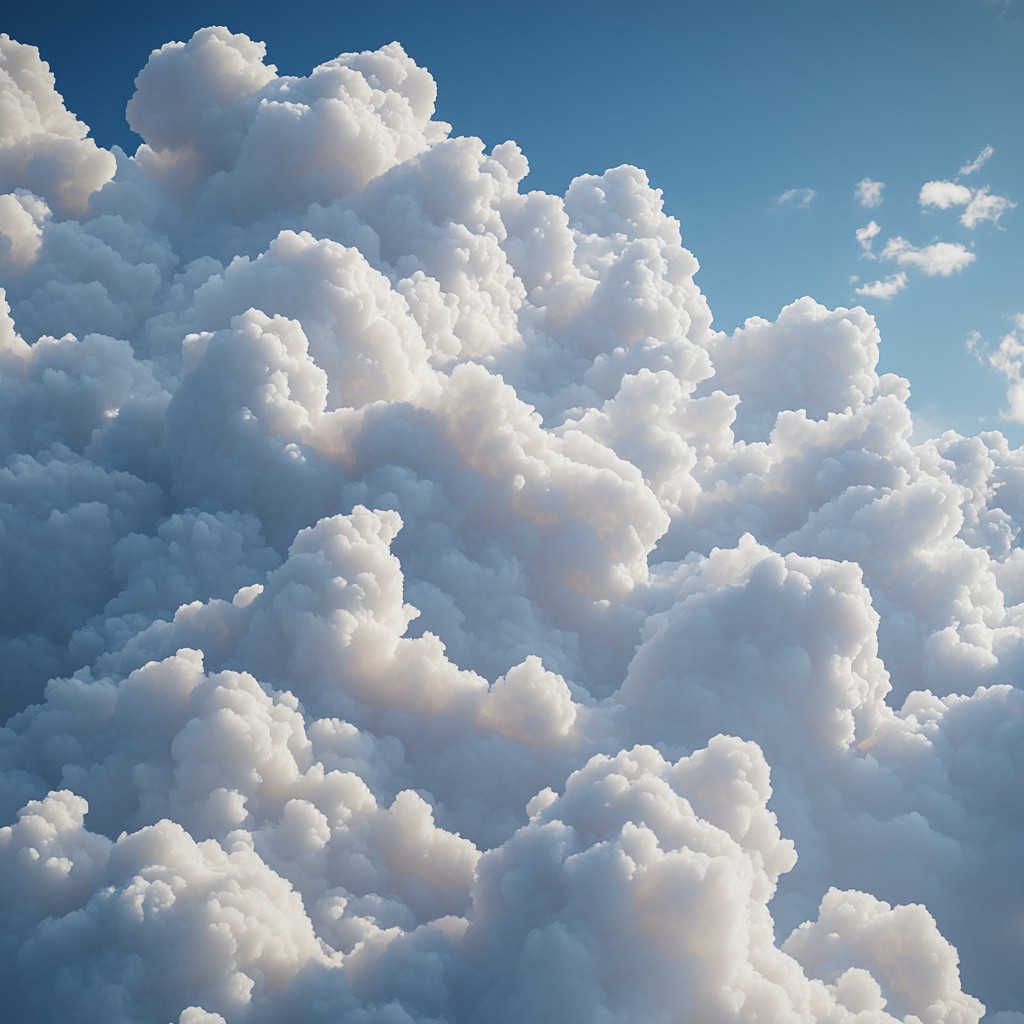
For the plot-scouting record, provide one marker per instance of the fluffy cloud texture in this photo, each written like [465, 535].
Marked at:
[414, 611]
[979, 204]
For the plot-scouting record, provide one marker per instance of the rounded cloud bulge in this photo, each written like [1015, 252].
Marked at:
[416, 612]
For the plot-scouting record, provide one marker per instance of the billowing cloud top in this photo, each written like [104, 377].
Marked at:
[415, 611]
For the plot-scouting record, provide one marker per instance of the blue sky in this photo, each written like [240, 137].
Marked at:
[728, 106]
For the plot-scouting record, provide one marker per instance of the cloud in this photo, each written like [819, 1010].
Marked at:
[944, 194]
[869, 193]
[1008, 360]
[865, 235]
[886, 288]
[980, 204]
[414, 610]
[985, 207]
[940, 259]
[978, 162]
[801, 198]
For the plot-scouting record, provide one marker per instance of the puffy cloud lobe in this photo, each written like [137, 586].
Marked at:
[43, 147]
[944, 194]
[857, 939]
[367, 520]
[270, 143]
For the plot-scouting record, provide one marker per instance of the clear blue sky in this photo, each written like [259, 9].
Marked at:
[727, 104]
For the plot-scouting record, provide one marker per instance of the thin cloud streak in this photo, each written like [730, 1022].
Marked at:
[800, 198]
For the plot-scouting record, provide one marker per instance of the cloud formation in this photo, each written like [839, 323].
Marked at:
[884, 288]
[980, 205]
[801, 198]
[1008, 360]
[415, 611]
[978, 162]
[866, 235]
[869, 193]
[939, 259]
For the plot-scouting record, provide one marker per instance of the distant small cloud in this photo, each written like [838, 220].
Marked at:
[941, 259]
[978, 162]
[885, 288]
[799, 197]
[869, 193]
[944, 194]
[865, 236]
[981, 204]
[1008, 360]
[985, 207]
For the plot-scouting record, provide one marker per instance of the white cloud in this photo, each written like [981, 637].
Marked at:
[980, 204]
[978, 162]
[1008, 359]
[801, 198]
[869, 193]
[985, 207]
[885, 288]
[865, 235]
[417, 611]
[938, 259]
[944, 194]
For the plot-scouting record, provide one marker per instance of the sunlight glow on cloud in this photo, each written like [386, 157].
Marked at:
[416, 612]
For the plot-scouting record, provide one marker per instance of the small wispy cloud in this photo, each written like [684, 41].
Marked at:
[865, 236]
[885, 288]
[801, 198]
[985, 207]
[869, 193]
[978, 162]
[940, 259]
[1007, 359]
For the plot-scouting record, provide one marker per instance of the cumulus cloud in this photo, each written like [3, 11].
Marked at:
[801, 198]
[415, 611]
[869, 193]
[940, 259]
[980, 204]
[885, 288]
